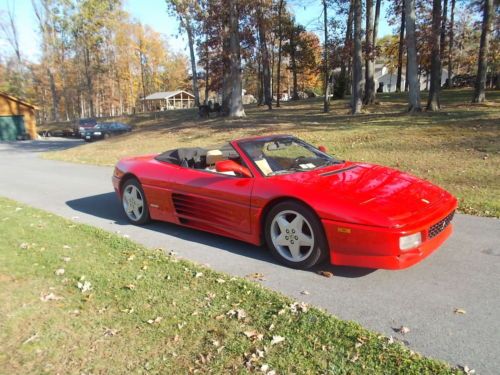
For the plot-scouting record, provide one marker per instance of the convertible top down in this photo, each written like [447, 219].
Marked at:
[304, 204]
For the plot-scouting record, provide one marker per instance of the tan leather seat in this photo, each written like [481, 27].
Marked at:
[213, 156]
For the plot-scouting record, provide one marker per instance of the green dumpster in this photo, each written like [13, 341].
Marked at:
[11, 128]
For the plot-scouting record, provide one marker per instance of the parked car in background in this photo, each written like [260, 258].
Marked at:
[84, 124]
[105, 130]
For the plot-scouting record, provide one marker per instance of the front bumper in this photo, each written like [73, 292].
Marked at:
[374, 247]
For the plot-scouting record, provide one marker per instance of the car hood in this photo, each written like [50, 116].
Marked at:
[368, 194]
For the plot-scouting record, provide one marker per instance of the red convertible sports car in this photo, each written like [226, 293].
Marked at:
[304, 204]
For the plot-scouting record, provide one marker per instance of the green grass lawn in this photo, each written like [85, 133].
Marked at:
[75, 299]
[457, 148]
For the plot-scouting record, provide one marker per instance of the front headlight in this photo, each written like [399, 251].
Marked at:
[410, 242]
[97, 133]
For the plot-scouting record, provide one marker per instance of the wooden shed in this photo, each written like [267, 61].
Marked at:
[17, 118]
[162, 101]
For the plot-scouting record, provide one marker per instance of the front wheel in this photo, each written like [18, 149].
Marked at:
[134, 202]
[295, 236]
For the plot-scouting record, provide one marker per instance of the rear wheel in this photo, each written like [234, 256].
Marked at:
[134, 202]
[295, 236]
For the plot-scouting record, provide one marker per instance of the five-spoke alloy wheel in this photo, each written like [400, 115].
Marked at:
[295, 235]
[134, 202]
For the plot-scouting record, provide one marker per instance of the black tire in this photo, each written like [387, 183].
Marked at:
[315, 253]
[144, 217]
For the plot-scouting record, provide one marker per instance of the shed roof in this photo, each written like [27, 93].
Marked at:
[166, 95]
[17, 100]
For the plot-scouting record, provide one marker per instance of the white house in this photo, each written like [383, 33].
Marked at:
[389, 79]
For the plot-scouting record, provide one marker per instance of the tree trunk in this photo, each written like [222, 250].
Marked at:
[450, 44]
[356, 103]
[280, 42]
[55, 96]
[370, 60]
[399, 86]
[326, 78]
[189, 31]
[442, 38]
[412, 68]
[293, 61]
[378, 4]
[479, 91]
[348, 45]
[236, 103]
[433, 100]
[226, 78]
[266, 74]
[260, 83]
[207, 71]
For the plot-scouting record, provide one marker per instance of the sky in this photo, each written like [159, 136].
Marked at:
[153, 12]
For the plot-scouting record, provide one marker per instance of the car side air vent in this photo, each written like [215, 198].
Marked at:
[189, 208]
[338, 171]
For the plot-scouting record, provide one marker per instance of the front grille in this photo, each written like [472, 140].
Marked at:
[441, 225]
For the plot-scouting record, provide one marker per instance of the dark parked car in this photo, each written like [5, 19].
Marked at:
[85, 124]
[105, 130]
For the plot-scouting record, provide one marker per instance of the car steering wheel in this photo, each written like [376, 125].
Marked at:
[297, 161]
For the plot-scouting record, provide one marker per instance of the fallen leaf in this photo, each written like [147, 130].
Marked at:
[256, 276]
[50, 297]
[277, 340]
[198, 274]
[59, 272]
[24, 246]
[403, 330]
[325, 274]
[468, 370]
[298, 307]
[459, 311]
[156, 320]
[305, 292]
[66, 247]
[264, 368]
[110, 332]
[66, 259]
[254, 335]
[221, 281]
[84, 287]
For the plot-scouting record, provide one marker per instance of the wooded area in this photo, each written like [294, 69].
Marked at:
[96, 61]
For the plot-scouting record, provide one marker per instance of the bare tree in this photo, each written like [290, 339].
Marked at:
[264, 52]
[9, 29]
[186, 12]
[280, 47]
[450, 44]
[370, 58]
[236, 102]
[357, 102]
[412, 67]
[480, 86]
[326, 68]
[442, 37]
[399, 80]
[433, 100]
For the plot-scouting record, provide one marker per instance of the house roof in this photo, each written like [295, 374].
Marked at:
[166, 95]
[17, 100]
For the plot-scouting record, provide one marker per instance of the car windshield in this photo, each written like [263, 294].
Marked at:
[285, 155]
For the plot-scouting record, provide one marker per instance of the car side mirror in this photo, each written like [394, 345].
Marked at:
[323, 149]
[232, 166]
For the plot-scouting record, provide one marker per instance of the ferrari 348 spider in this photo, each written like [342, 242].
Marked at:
[304, 204]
